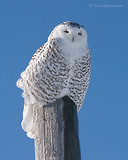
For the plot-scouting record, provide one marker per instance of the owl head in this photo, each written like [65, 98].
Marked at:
[70, 32]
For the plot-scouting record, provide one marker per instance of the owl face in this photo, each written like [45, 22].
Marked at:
[70, 32]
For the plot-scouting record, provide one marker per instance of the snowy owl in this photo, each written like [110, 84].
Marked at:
[60, 67]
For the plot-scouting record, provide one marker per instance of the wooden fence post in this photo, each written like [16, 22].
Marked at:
[56, 131]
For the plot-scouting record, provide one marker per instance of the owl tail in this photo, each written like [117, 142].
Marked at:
[27, 122]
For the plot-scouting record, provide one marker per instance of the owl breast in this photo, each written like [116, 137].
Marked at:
[76, 58]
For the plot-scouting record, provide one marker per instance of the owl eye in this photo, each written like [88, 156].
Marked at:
[66, 31]
[79, 33]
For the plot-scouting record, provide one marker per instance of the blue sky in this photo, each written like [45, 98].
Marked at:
[103, 119]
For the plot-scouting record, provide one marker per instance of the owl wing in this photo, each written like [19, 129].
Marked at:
[43, 79]
[80, 80]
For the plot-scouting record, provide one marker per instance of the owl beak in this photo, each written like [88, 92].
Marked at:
[72, 39]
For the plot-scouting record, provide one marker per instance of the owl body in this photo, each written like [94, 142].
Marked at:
[61, 67]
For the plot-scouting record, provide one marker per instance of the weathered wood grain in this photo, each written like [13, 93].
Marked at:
[56, 131]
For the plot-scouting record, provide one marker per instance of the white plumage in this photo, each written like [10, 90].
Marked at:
[61, 67]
